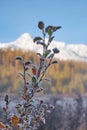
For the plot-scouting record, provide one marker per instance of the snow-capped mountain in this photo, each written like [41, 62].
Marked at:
[67, 51]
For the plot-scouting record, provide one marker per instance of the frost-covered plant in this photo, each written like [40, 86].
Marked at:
[30, 111]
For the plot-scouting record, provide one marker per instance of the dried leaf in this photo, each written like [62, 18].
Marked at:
[4, 109]
[2, 126]
[34, 70]
[15, 120]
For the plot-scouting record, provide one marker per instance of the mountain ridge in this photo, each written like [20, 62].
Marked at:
[67, 51]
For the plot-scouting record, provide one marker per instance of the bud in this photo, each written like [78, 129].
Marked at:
[6, 98]
[41, 102]
[41, 25]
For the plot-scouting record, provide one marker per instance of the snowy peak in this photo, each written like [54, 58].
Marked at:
[24, 38]
[67, 51]
[23, 42]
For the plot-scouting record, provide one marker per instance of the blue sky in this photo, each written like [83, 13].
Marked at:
[21, 16]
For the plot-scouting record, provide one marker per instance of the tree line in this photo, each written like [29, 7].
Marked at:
[65, 76]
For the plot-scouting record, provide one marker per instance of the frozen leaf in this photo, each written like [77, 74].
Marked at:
[34, 70]
[26, 68]
[39, 89]
[51, 106]
[41, 101]
[51, 56]
[18, 105]
[46, 106]
[15, 120]
[29, 94]
[34, 79]
[39, 54]
[43, 120]
[47, 79]
[28, 62]
[8, 127]
[27, 104]
[54, 62]
[47, 53]
[29, 74]
[41, 25]
[6, 98]
[31, 101]
[19, 58]
[41, 43]
[21, 74]
[4, 109]
[36, 84]
[49, 30]
[55, 50]
[19, 127]
[42, 59]
[48, 111]
[37, 39]
[29, 110]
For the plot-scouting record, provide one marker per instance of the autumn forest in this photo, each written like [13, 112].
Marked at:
[65, 77]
